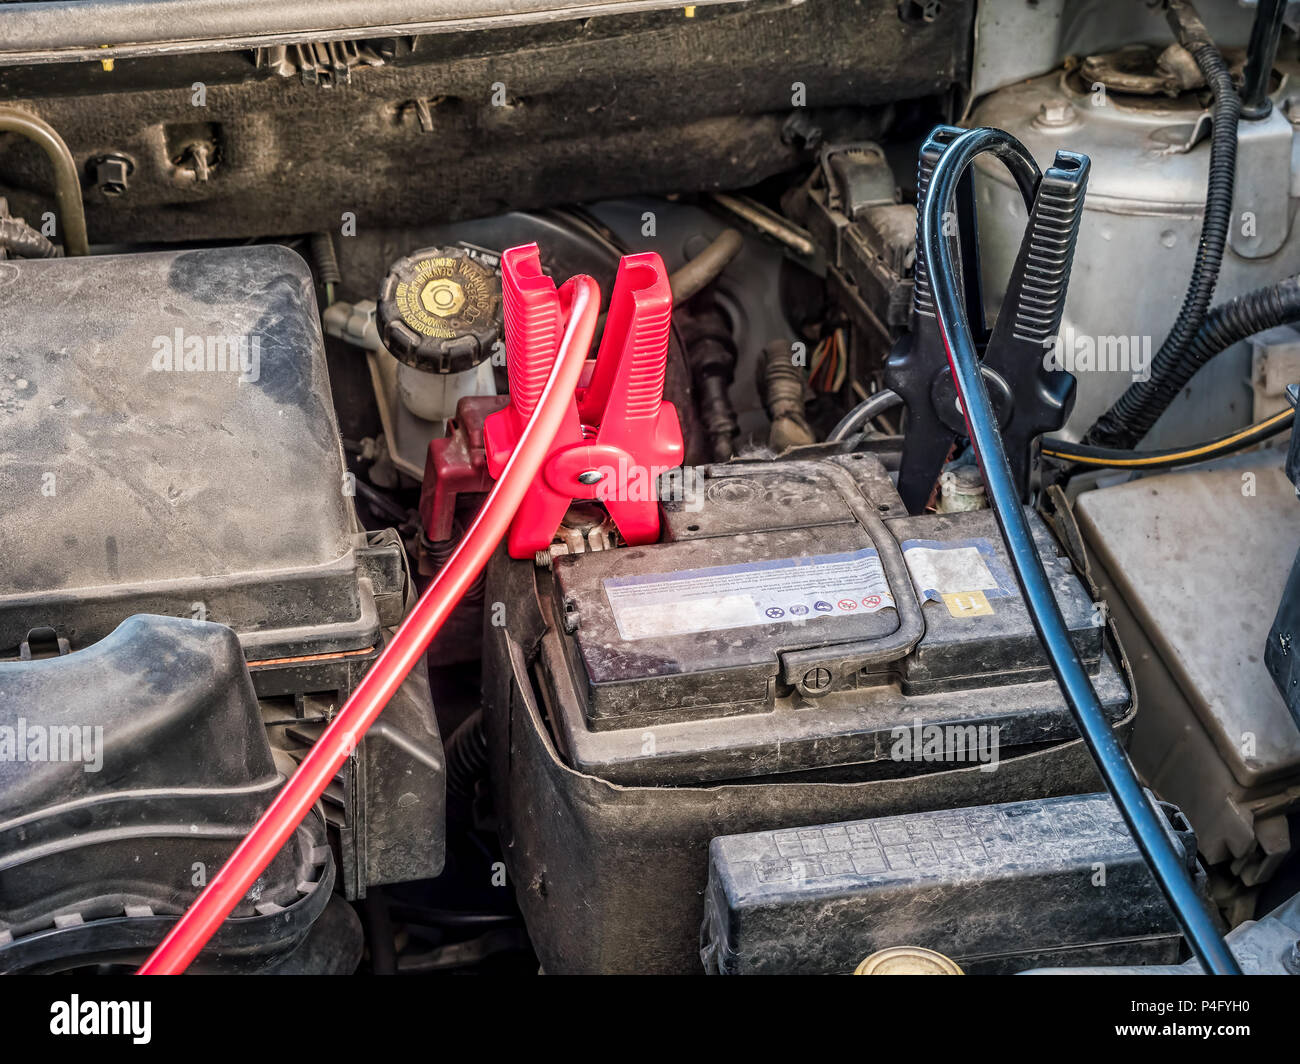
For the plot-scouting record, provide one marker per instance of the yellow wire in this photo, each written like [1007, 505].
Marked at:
[1165, 459]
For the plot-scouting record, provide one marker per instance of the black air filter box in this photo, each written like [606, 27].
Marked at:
[129, 771]
[171, 448]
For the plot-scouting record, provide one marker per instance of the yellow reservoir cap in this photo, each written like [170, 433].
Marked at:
[908, 960]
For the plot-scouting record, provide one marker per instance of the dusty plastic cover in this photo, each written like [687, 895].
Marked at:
[997, 888]
[1200, 559]
[170, 447]
[124, 767]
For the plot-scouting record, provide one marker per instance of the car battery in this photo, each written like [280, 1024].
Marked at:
[794, 619]
[997, 888]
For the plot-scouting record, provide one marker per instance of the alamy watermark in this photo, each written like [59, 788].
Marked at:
[1083, 353]
[38, 743]
[947, 743]
[193, 353]
[77, 1017]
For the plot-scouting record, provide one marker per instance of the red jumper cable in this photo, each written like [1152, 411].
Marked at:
[617, 434]
[552, 388]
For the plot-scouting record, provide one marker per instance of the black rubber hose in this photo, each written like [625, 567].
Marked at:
[20, 240]
[1265, 34]
[711, 356]
[1226, 325]
[327, 262]
[705, 268]
[1121, 425]
[328, 274]
[67, 185]
[379, 925]
[859, 418]
[467, 758]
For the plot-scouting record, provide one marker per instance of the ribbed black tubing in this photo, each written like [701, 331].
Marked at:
[1129, 419]
[1226, 325]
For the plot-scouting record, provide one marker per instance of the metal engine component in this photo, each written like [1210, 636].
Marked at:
[113, 362]
[1139, 233]
[816, 900]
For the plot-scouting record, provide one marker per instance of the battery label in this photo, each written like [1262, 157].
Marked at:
[963, 574]
[786, 591]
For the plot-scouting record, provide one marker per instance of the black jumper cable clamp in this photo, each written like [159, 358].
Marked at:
[1028, 381]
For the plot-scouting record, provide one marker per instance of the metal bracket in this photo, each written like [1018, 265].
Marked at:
[1261, 209]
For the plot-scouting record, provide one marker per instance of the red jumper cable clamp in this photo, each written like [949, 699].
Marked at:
[618, 434]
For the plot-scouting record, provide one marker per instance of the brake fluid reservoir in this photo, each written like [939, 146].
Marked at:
[439, 314]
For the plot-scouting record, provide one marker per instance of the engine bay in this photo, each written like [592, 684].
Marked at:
[787, 487]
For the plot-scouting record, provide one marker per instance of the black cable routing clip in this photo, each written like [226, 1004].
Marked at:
[1030, 386]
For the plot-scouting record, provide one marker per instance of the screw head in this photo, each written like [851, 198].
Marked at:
[591, 476]
[817, 679]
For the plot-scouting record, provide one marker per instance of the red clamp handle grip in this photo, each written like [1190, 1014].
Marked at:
[619, 434]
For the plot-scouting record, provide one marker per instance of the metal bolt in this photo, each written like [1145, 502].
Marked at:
[591, 476]
[1055, 113]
